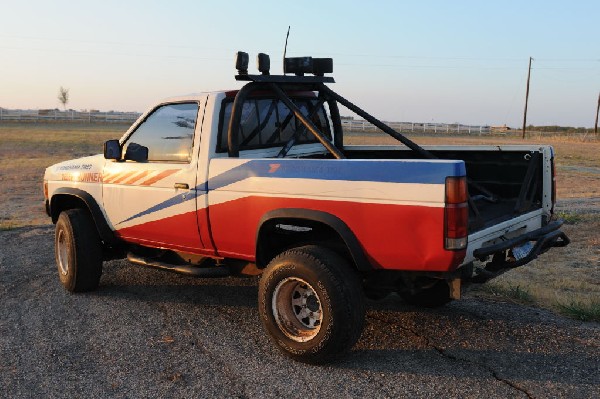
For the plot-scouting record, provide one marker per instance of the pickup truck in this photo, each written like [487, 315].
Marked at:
[258, 181]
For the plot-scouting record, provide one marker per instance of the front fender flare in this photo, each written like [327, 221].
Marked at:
[104, 230]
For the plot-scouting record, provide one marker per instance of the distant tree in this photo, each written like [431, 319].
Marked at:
[63, 96]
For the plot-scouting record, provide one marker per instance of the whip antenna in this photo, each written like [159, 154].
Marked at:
[285, 48]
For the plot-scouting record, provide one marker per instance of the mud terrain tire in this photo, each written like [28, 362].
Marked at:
[311, 303]
[78, 251]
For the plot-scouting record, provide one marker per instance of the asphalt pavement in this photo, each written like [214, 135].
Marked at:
[148, 333]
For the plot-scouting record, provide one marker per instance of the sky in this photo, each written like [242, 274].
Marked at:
[418, 61]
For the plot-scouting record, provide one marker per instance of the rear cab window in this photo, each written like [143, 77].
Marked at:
[267, 122]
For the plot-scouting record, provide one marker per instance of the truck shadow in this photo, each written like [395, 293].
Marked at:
[123, 280]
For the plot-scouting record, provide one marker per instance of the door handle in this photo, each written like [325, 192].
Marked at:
[184, 186]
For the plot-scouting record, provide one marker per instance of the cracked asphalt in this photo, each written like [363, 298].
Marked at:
[147, 333]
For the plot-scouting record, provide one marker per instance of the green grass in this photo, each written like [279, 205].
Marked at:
[580, 310]
[570, 217]
[513, 292]
[7, 225]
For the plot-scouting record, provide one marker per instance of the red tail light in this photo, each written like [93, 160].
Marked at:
[456, 214]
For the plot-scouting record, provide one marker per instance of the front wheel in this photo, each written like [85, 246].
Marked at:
[78, 251]
[311, 304]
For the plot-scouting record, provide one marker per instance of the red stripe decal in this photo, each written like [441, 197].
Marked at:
[398, 237]
[122, 177]
[178, 232]
[107, 177]
[137, 177]
[159, 177]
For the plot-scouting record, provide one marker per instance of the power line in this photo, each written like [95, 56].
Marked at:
[365, 55]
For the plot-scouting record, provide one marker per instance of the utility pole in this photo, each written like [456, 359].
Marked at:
[526, 97]
[597, 110]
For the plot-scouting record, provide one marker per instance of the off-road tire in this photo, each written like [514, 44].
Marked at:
[435, 296]
[337, 288]
[78, 251]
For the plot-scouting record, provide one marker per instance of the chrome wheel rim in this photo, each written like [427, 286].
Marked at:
[297, 309]
[63, 253]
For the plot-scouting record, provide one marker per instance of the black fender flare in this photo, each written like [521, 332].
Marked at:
[104, 230]
[332, 221]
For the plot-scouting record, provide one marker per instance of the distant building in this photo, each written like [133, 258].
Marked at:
[499, 129]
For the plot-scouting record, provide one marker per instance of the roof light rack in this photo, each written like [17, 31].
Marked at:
[299, 66]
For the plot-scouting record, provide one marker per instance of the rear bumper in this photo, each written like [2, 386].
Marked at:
[542, 239]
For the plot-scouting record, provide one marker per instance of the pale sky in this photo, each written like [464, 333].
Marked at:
[418, 61]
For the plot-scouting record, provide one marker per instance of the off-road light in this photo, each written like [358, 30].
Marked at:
[298, 65]
[241, 62]
[322, 66]
[302, 65]
[264, 63]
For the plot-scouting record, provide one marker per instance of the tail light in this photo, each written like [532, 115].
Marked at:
[45, 190]
[456, 214]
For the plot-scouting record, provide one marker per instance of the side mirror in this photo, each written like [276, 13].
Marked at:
[112, 149]
[136, 152]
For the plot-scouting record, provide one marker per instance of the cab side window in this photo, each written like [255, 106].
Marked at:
[168, 132]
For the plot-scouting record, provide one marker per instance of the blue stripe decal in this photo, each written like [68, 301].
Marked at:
[423, 172]
[176, 200]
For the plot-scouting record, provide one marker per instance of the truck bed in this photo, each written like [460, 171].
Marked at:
[505, 181]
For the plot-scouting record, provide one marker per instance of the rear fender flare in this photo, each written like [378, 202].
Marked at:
[332, 221]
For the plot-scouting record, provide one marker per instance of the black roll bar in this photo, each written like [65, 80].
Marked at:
[369, 118]
[236, 117]
[306, 122]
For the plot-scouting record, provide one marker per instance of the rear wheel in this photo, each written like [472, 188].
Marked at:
[78, 251]
[311, 304]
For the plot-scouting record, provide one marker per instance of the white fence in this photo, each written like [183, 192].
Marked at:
[349, 125]
[352, 125]
[18, 115]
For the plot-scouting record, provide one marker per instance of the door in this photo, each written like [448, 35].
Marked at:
[153, 202]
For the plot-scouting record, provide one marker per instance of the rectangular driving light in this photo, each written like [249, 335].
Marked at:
[241, 62]
[298, 65]
[322, 66]
[263, 62]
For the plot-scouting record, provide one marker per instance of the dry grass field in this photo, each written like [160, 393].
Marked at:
[565, 279]
[26, 150]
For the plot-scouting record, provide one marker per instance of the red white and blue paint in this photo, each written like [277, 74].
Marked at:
[221, 216]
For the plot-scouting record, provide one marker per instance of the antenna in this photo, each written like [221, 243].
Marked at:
[285, 48]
